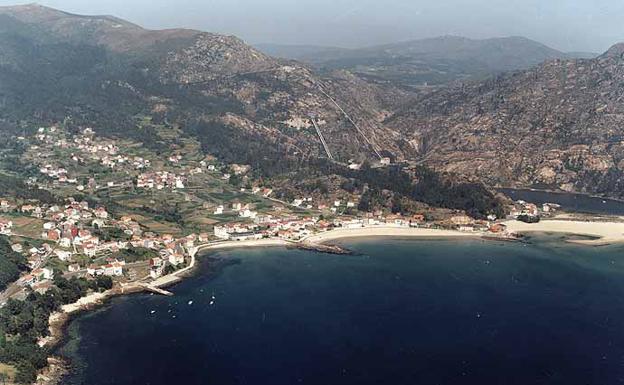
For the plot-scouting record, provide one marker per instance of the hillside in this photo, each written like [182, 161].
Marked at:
[558, 125]
[99, 69]
[243, 106]
[429, 61]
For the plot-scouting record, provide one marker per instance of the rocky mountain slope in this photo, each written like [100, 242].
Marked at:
[243, 106]
[100, 69]
[559, 125]
[429, 61]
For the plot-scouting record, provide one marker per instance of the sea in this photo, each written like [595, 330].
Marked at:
[398, 311]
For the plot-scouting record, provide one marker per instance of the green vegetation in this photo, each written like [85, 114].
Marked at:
[11, 263]
[22, 323]
[108, 234]
[15, 187]
[424, 186]
[137, 254]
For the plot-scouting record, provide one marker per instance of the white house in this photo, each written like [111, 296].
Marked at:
[63, 255]
[221, 232]
[74, 268]
[114, 269]
[176, 259]
[248, 214]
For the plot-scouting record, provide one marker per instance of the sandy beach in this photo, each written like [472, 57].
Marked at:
[382, 231]
[605, 232]
[244, 244]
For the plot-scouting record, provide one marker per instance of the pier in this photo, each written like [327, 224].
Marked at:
[157, 290]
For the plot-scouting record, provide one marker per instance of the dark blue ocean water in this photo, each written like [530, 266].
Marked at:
[401, 312]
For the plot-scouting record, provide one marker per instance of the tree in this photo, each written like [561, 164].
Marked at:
[26, 373]
[104, 282]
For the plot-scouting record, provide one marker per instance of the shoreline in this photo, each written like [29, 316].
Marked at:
[605, 233]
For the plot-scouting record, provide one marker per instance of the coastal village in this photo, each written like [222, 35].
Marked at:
[139, 220]
[80, 238]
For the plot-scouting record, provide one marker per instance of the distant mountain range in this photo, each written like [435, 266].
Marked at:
[429, 61]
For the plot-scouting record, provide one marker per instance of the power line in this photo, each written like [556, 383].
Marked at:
[371, 144]
[320, 134]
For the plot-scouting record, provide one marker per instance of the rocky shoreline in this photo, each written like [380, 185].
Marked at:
[58, 366]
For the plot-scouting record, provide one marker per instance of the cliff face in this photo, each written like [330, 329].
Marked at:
[559, 125]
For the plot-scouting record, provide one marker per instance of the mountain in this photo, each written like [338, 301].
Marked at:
[242, 105]
[429, 61]
[559, 125]
[102, 70]
[312, 54]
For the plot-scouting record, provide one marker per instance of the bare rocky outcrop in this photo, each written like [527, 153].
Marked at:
[559, 125]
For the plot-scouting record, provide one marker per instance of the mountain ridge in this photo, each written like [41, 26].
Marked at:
[555, 126]
[246, 106]
[433, 61]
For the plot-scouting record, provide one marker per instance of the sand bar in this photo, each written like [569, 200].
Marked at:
[381, 231]
[605, 232]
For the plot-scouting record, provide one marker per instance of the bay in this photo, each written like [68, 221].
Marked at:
[397, 312]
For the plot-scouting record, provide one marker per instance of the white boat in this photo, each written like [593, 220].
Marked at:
[190, 302]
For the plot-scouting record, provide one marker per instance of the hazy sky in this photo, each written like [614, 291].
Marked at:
[570, 25]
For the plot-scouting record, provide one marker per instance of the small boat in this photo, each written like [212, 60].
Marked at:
[153, 311]
[211, 303]
[190, 302]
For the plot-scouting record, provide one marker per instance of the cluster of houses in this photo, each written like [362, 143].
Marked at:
[58, 173]
[106, 152]
[136, 162]
[267, 226]
[39, 280]
[293, 228]
[530, 211]
[158, 264]
[112, 268]
[333, 206]
[264, 192]
[72, 226]
[160, 180]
